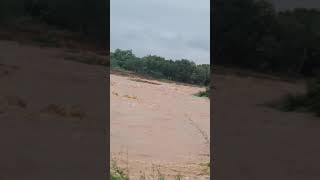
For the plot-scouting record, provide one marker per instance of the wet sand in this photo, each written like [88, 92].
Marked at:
[159, 125]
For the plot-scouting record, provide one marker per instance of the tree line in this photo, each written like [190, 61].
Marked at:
[182, 70]
[86, 17]
[252, 34]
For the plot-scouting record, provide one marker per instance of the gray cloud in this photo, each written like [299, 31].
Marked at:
[172, 29]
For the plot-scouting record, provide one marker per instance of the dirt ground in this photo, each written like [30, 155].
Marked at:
[52, 115]
[159, 126]
[255, 142]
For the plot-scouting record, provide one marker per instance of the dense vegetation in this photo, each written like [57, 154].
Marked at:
[252, 34]
[182, 70]
[82, 16]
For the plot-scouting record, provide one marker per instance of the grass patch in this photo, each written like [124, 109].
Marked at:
[292, 102]
[117, 173]
[308, 102]
[206, 168]
[205, 93]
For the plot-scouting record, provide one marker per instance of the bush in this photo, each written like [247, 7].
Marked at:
[205, 93]
[293, 102]
[309, 102]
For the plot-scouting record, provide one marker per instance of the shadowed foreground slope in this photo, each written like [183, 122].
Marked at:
[254, 141]
[52, 115]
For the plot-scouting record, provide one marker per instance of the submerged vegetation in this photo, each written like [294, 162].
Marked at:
[183, 70]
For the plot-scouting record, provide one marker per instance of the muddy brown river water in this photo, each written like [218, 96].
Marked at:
[159, 125]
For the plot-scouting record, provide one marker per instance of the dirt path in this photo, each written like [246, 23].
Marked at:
[159, 124]
[51, 118]
[254, 142]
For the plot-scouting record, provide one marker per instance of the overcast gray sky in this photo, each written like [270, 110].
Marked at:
[173, 29]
